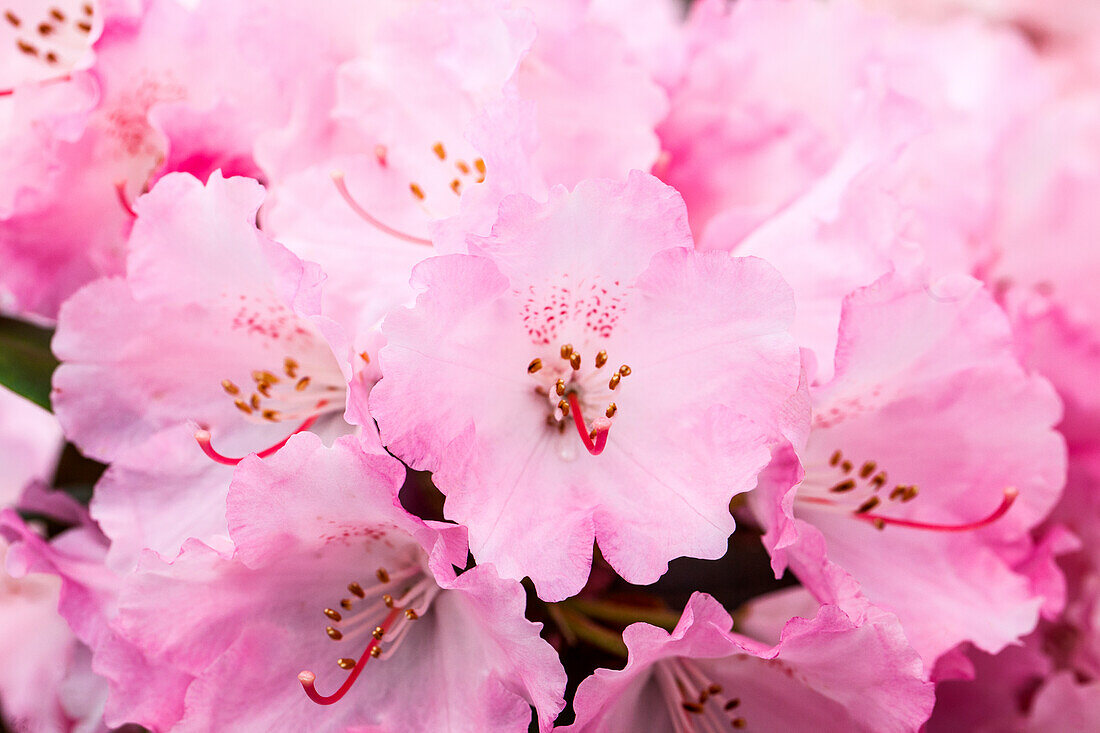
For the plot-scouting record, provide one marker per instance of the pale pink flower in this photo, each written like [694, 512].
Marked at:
[751, 129]
[46, 681]
[138, 689]
[331, 579]
[932, 454]
[586, 325]
[209, 336]
[30, 443]
[830, 673]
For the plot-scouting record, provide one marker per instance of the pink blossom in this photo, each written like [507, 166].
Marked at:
[904, 497]
[832, 672]
[586, 325]
[30, 443]
[46, 671]
[751, 129]
[332, 576]
[209, 336]
[87, 601]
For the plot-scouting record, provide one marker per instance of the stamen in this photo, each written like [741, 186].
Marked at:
[203, 437]
[601, 427]
[1010, 495]
[341, 186]
[308, 679]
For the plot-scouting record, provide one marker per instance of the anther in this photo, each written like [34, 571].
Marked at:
[878, 523]
[333, 614]
[480, 165]
[534, 366]
[715, 689]
[879, 480]
[378, 632]
[847, 485]
[835, 458]
[290, 367]
[383, 576]
[614, 381]
[265, 389]
[867, 469]
[376, 652]
[456, 186]
[333, 634]
[51, 57]
[624, 370]
[733, 703]
[230, 388]
[243, 406]
[910, 493]
[45, 29]
[559, 387]
[356, 590]
[575, 361]
[846, 466]
[462, 167]
[13, 18]
[26, 48]
[610, 412]
[440, 151]
[738, 723]
[411, 615]
[601, 358]
[593, 434]
[271, 415]
[345, 603]
[566, 351]
[388, 600]
[692, 707]
[84, 26]
[868, 505]
[417, 191]
[564, 407]
[345, 663]
[88, 9]
[302, 384]
[254, 401]
[57, 14]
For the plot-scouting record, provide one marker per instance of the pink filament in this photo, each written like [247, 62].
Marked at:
[1009, 497]
[338, 179]
[578, 420]
[203, 438]
[307, 678]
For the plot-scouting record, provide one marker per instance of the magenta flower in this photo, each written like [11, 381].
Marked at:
[898, 473]
[832, 672]
[583, 326]
[331, 580]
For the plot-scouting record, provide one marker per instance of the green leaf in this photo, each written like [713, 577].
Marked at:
[26, 362]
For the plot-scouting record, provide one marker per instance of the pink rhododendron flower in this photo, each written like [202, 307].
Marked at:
[211, 328]
[30, 442]
[831, 672]
[586, 326]
[46, 682]
[330, 575]
[896, 474]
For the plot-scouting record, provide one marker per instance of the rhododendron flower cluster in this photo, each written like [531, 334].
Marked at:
[531, 365]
